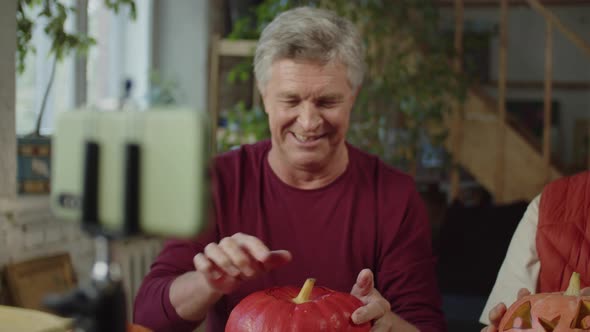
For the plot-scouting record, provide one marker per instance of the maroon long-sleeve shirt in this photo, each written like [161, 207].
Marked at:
[369, 217]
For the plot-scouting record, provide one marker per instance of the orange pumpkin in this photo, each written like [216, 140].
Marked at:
[550, 312]
[312, 310]
[137, 328]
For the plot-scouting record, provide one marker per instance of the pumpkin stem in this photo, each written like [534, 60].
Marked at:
[305, 291]
[574, 287]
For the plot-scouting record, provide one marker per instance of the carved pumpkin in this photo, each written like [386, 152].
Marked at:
[550, 312]
[290, 309]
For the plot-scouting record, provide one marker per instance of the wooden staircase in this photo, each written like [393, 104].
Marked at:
[524, 167]
[486, 142]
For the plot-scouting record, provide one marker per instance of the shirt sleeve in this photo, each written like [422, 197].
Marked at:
[152, 306]
[520, 268]
[406, 273]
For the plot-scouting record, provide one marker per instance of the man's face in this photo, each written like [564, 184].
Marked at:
[308, 107]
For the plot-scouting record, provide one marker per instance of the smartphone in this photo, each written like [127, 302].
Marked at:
[171, 153]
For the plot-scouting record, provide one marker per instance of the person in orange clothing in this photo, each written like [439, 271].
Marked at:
[541, 255]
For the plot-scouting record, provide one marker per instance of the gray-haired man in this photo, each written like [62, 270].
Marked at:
[336, 213]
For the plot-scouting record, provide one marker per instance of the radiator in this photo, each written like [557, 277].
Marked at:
[135, 257]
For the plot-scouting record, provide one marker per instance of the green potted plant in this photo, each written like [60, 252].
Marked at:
[34, 149]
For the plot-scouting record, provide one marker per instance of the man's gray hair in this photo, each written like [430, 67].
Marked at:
[312, 34]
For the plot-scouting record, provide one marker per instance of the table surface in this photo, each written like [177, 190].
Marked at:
[27, 320]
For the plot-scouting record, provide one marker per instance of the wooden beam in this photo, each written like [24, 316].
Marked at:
[214, 90]
[513, 3]
[458, 42]
[241, 48]
[538, 85]
[547, 101]
[572, 36]
[501, 130]
[457, 129]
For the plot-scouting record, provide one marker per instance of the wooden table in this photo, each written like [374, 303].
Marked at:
[27, 320]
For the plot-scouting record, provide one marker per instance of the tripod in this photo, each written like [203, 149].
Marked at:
[100, 305]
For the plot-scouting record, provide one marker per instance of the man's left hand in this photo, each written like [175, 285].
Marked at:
[376, 308]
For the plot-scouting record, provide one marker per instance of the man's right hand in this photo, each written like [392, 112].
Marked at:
[495, 315]
[237, 258]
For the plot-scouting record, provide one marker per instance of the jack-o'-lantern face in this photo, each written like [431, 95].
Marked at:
[548, 312]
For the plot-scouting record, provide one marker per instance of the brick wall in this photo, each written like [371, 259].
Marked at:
[28, 230]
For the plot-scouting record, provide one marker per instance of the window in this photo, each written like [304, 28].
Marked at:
[122, 52]
[31, 85]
